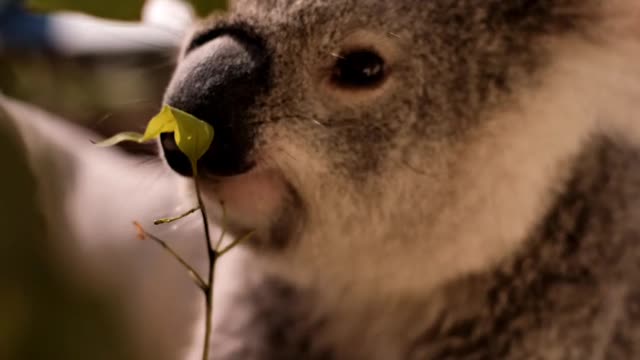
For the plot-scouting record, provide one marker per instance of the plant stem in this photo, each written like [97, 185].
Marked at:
[213, 257]
[235, 243]
[194, 274]
[203, 211]
[208, 311]
[213, 253]
[224, 230]
[175, 218]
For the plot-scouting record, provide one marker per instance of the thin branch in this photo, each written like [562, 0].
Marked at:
[224, 229]
[213, 256]
[203, 211]
[194, 274]
[209, 310]
[175, 218]
[234, 243]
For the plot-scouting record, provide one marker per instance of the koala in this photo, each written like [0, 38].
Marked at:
[426, 179]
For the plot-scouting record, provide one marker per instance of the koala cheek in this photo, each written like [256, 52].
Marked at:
[252, 201]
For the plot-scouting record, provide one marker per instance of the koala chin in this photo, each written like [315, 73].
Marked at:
[426, 179]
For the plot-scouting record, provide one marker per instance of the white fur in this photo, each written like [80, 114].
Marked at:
[474, 204]
[498, 186]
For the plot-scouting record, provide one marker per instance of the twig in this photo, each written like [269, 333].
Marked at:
[213, 253]
[234, 243]
[213, 257]
[203, 211]
[194, 274]
[224, 224]
[175, 218]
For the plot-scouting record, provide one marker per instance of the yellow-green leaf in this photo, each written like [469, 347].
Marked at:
[164, 122]
[117, 138]
[192, 135]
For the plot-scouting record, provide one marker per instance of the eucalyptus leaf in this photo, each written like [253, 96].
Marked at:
[118, 138]
[164, 122]
[192, 135]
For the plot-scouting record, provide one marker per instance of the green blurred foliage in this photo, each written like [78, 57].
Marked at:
[115, 9]
[204, 7]
[106, 95]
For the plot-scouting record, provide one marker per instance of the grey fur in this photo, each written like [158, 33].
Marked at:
[570, 293]
[483, 203]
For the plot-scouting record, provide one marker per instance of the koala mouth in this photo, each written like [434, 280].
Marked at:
[256, 196]
[219, 79]
[259, 200]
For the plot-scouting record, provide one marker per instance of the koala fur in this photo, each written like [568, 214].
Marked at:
[483, 202]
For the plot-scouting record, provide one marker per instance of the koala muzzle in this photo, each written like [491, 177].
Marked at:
[218, 81]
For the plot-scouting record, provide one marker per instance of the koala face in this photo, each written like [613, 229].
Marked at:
[392, 145]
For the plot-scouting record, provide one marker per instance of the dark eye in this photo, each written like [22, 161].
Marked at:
[359, 69]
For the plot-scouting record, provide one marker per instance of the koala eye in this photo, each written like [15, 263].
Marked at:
[359, 69]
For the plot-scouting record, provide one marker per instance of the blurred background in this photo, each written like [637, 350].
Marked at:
[105, 75]
[101, 64]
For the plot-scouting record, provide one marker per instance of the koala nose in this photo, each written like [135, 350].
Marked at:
[219, 81]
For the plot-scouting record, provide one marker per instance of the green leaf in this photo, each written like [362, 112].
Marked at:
[164, 122]
[193, 136]
[118, 138]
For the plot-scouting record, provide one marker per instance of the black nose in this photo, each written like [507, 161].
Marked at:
[219, 81]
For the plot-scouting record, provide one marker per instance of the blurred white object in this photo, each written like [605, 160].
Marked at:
[176, 15]
[163, 25]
